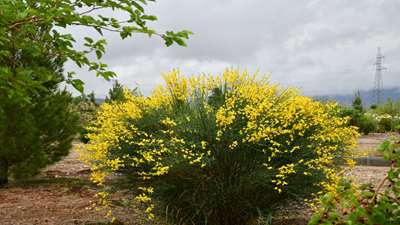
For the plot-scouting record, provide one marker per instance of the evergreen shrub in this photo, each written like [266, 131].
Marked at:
[35, 134]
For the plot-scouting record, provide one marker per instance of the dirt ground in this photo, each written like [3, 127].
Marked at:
[63, 195]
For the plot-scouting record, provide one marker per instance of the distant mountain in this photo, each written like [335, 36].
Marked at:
[366, 95]
[99, 100]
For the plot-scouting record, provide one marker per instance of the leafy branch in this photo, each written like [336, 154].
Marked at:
[19, 19]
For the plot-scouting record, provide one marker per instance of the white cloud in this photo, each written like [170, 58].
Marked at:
[322, 47]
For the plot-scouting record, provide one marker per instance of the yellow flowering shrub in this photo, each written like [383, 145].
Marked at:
[219, 149]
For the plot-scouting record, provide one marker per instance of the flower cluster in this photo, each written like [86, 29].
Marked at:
[379, 117]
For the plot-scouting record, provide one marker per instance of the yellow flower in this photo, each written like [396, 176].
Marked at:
[255, 115]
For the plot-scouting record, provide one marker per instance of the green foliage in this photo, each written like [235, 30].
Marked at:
[389, 107]
[35, 135]
[38, 124]
[397, 127]
[357, 103]
[366, 204]
[365, 123]
[219, 150]
[386, 124]
[381, 118]
[33, 49]
[55, 128]
[33, 27]
[387, 115]
[85, 98]
[231, 187]
[116, 93]
[86, 107]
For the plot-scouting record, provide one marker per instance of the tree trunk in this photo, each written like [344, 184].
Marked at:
[3, 172]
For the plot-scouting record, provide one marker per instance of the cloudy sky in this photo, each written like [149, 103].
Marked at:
[319, 46]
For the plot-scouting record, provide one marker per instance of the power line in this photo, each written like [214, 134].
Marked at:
[378, 84]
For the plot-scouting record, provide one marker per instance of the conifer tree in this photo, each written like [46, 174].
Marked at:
[37, 131]
[357, 102]
[116, 93]
[37, 124]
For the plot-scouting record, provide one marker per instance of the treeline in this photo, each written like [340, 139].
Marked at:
[384, 117]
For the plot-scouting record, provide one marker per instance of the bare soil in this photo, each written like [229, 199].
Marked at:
[63, 194]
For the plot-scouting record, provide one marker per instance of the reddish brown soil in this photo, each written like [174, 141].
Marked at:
[62, 194]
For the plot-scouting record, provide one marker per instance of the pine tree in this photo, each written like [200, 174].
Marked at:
[38, 130]
[116, 93]
[32, 55]
[52, 130]
[357, 102]
[35, 134]
[92, 98]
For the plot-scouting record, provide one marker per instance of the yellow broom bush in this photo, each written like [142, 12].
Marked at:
[219, 150]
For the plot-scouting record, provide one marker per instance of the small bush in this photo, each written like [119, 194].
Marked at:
[365, 122]
[397, 127]
[385, 124]
[219, 150]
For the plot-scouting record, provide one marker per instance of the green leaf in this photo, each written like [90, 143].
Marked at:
[137, 6]
[99, 54]
[149, 17]
[108, 74]
[98, 29]
[89, 40]
[180, 42]
[78, 85]
[168, 41]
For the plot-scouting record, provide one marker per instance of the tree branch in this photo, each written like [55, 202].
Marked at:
[17, 23]
[96, 26]
[90, 10]
[374, 198]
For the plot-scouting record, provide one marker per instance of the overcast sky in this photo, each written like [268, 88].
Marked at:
[319, 46]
